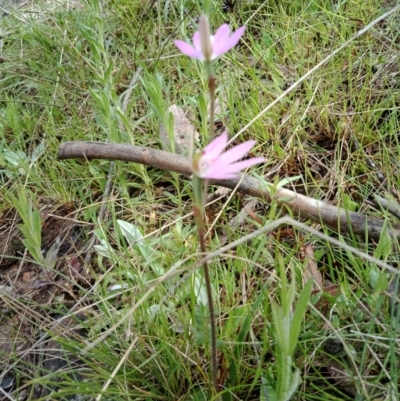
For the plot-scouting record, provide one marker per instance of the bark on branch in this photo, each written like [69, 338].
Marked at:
[318, 211]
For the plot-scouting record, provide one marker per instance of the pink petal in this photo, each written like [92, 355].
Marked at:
[236, 153]
[236, 167]
[220, 38]
[219, 171]
[215, 148]
[197, 42]
[218, 175]
[231, 42]
[187, 49]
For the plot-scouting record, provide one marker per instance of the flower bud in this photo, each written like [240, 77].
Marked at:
[205, 38]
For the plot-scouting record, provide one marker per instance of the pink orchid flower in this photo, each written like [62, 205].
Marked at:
[213, 164]
[220, 43]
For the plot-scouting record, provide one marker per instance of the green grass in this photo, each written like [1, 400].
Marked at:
[64, 73]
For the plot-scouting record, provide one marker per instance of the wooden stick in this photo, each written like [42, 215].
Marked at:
[318, 211]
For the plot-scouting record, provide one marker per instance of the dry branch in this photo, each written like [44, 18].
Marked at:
[318, 211]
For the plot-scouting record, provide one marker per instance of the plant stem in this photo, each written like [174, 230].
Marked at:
[211, 87]
[214, 366]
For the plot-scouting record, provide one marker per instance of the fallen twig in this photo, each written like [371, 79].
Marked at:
[324, 213]
[390, 205]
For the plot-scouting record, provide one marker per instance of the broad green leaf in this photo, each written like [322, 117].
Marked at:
[38, 151]
[136, 239]
[200, 288]
[103, 249]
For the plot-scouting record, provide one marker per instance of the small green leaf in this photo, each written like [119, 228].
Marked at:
[298, 315]
[384, 247]
[287, 180]
[280, 327]
[267, 392]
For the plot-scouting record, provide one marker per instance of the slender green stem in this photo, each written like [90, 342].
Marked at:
[200, 192]
[214, 365]
[211, 87]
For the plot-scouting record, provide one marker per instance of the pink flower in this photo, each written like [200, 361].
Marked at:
[212, 163]
[220, 43]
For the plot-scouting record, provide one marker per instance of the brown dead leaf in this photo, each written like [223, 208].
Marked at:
[311, 271]
[184, 130]
[342, 379]
[223, 370]
[239, 219]
[218, 110]
[26, 276]
[222, 191]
